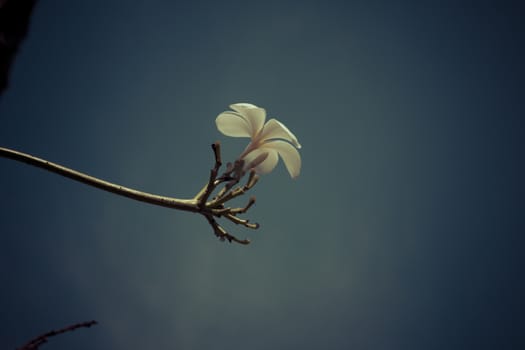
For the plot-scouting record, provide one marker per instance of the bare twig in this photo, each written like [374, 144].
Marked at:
[210, 209]
[230, 194]
[222, 234]
[41, 339]
[206, 191]
[174, 203]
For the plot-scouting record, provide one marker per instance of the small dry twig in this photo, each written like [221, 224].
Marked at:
[41, 339]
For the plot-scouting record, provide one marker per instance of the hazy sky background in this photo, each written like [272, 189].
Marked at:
[404, 230]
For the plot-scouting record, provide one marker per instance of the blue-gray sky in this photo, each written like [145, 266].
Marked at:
[403, 231]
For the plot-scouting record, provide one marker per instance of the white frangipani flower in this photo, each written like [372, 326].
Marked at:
[268, 141]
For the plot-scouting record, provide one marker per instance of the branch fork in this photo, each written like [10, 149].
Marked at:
[215, 208]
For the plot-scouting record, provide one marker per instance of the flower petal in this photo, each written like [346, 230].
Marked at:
[274, 129]
[233, 124]
[267, 164]
[254, 115]
[242, 106]
[256, 161]
[290, 155]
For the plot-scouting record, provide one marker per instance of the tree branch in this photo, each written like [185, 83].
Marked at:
[174, 203]
[210, 209]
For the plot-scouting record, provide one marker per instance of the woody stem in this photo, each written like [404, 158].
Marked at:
[169, 202]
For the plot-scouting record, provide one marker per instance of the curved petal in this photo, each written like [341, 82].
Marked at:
[274, 129]
[233, 124]
[290, 156]
[267, 165]
[242, 106]
[254, 115]
[256, 161]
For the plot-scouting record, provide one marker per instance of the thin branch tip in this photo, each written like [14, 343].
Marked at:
[33, 344]
[216, 146]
